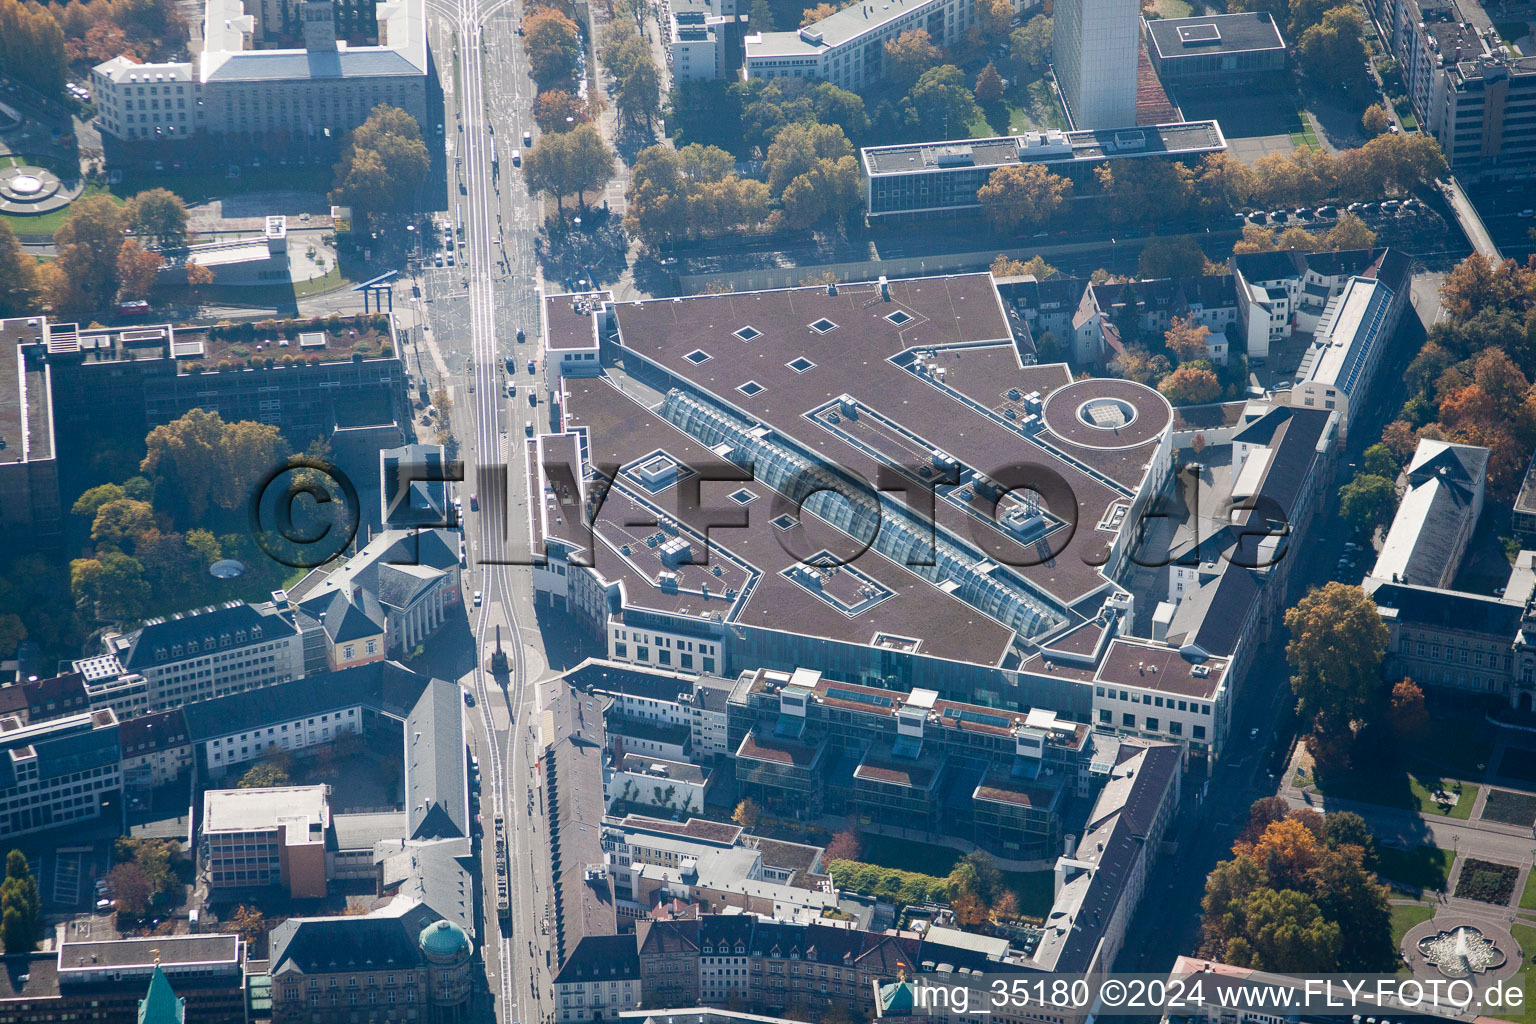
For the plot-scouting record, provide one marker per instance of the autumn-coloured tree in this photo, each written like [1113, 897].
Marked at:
[556, 110]
[207, 461]
[159, 215]
[1035, 266]
[1187, 340]
[1022, 194]
[747, 814]
[137, 270]
[970, 912]
[909, 55]
[821, 12]
[1349, 233]
[248, 922]
[382, 163]
[1006, 908]
[1263, 813]
[1298, 897]
[1398, 436]
[86, 247]
[18, 275]
[1407, 713]
[553, 44]
[1375, 120]
[131, 889]
[1190, 385]
[1137, 364]
[1337, 644]
[989, 85]
[845, 846]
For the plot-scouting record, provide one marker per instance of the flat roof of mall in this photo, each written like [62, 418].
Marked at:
[1174, 139]
[1216, 33]
[778, 364]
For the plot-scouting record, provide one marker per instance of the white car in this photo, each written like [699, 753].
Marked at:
[477, 599]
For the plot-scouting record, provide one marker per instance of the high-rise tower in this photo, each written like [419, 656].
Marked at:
[1094, 45]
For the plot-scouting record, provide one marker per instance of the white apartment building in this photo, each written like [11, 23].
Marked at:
[600, 979]
[848, 48]
[238, 747]
[56, 772]
[696, 33]
[1095, 48]
[1280, 293]
[233, 87]
[209, 653]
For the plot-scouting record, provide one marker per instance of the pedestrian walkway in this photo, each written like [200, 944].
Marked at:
[1471, 223]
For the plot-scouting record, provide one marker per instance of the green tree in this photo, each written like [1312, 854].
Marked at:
[798, 147]
[382, 163]
[263, 775]
[1367, 501]
[111, 585]
[209, 462]
[18, 275]
[1030, 45]
[1286, 931]
[1379, 460]
[87, 504]
[572, 163]
[1333, 53]
[940, 105]
[1335, 652]
[760, 16]
[1022, 194]
[158, 215]
[20, 905]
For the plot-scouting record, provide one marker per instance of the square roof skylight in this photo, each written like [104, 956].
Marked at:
[751, 388]
[743, 497]
[748, 333]
[823, 325]
[800, 364]
[900, 317]
[698, 356]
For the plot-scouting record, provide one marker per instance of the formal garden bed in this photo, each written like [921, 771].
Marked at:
[1487, 882]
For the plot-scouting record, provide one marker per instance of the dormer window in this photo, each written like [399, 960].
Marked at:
[208, 643]
[255, 632]
[175, 651]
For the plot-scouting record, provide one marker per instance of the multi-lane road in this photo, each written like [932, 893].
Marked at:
[474, 310]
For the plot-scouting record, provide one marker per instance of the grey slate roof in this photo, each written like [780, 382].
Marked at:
[601, 958]
[153, 643]
[438, 873]
[436, 780]
[385, 686]
[275, 65]
[353, 618]
[326, 945]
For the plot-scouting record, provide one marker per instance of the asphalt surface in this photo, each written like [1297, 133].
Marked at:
[470, 313]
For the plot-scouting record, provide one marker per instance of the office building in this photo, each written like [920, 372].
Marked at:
[1352, 332]
[1472, 91]
[267, 837]
[697, 37]
[209, 653]
[1214, 50]
[913, 180]
[60, 772]
[1095, 48]
[238, 88]
[29, 468]
[914, 761]
[848, 48]
[651, 694]
[118, 981]
[156, 749]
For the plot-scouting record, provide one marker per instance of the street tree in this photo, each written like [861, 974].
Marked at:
[1367, 501]
[1175, 256]
[1022, 194]
[556, 110]
[553, 44]
[131, 889]
[1349, 233]
[158, 215]
[18, 274]
[138, 269]
[86, 247]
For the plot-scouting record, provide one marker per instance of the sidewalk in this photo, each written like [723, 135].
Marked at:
[1470, 222]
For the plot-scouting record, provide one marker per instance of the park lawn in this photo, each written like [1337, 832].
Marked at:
[1528, 897]
[47, 223]
[1525, 937]
[1397, 789]
[1422, 868]
[1404, 917]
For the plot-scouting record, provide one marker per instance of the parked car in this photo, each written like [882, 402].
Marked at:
[477, 599]
[469, 699]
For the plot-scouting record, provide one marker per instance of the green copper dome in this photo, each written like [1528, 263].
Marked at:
[443, 938]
